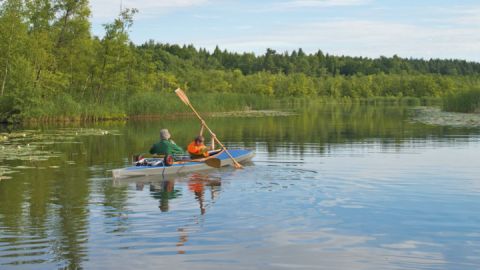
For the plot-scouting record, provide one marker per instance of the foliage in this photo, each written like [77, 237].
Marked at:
[148, 104]
[465, 101]
[51, 67]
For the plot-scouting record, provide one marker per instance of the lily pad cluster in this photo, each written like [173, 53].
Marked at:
[252, 113]
[4, 173]
[435, 116]
[34, 145]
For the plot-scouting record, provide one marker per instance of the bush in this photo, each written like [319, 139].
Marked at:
[8, 110]
[464, 101]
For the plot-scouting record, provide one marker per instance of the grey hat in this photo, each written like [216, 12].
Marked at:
[164, 134]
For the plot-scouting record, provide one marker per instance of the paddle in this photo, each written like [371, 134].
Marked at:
[212, 163]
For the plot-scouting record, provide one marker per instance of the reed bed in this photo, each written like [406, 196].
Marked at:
[465, 101]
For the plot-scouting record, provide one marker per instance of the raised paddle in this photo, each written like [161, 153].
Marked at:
[185, 100]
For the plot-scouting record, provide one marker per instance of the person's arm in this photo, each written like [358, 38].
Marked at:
[201, 128]
[175, 149]
[213, 141]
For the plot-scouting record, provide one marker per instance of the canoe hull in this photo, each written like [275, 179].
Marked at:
[184, 166]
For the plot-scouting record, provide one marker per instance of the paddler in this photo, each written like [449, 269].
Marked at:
[166, 146]
[197, 148]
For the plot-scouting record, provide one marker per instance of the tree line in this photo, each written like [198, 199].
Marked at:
[315, 64]
[52, 66]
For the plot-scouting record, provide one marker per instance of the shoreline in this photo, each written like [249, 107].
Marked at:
[180, 115]
[235, 105]
[429, 115]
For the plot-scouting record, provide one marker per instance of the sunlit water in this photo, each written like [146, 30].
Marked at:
[330, 188]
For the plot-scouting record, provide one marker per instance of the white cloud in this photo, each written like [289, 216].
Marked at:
[285, 6]
[324, 3]
[366, 38]
[102, 10]
[467, 16]
[437, 32]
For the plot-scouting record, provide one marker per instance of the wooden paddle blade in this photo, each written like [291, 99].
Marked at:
[182, 96]
[214, 162]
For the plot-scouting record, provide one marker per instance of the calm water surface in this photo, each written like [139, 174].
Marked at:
[334, 187]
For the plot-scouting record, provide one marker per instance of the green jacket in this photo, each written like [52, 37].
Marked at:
[166, 147]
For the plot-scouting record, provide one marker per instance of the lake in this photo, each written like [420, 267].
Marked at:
[331, 187]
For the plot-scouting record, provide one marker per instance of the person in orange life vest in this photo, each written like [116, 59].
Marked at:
[197, 148]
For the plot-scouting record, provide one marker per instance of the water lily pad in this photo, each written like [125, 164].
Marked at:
[5, 177]
[36, 146]
[4, 171]
[24, 167]
[435, 116]
[252, 113]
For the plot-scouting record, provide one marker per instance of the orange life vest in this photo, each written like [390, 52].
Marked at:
[197, 150]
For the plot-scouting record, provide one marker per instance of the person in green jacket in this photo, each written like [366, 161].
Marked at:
[166, 146]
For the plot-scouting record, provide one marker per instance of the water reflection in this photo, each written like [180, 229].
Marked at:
[198, 183]
[173, 194]
[165, 190]
[44, 220]
[345, 186]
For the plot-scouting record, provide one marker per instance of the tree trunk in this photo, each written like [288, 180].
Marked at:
[62, 32]
[7, 62]
[37, 78]
[84, 88]
[4, 78]
[102, 74]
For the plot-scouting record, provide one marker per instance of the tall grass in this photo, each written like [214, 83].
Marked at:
[464, 101]
[408, 101]
[168, 103]
[63, 108]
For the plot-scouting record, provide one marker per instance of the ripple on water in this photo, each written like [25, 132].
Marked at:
[372, 203]
[22, 250]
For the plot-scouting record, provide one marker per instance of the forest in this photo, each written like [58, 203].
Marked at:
[53, 68]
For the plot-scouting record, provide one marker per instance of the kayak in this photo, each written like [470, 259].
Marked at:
[156, 166]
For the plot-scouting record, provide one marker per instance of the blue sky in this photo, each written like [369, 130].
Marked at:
[420, 29]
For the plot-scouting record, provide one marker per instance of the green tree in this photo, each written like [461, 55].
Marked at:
[13, 33]
[114, 58]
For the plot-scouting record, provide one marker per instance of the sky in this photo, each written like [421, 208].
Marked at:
[372, 28]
